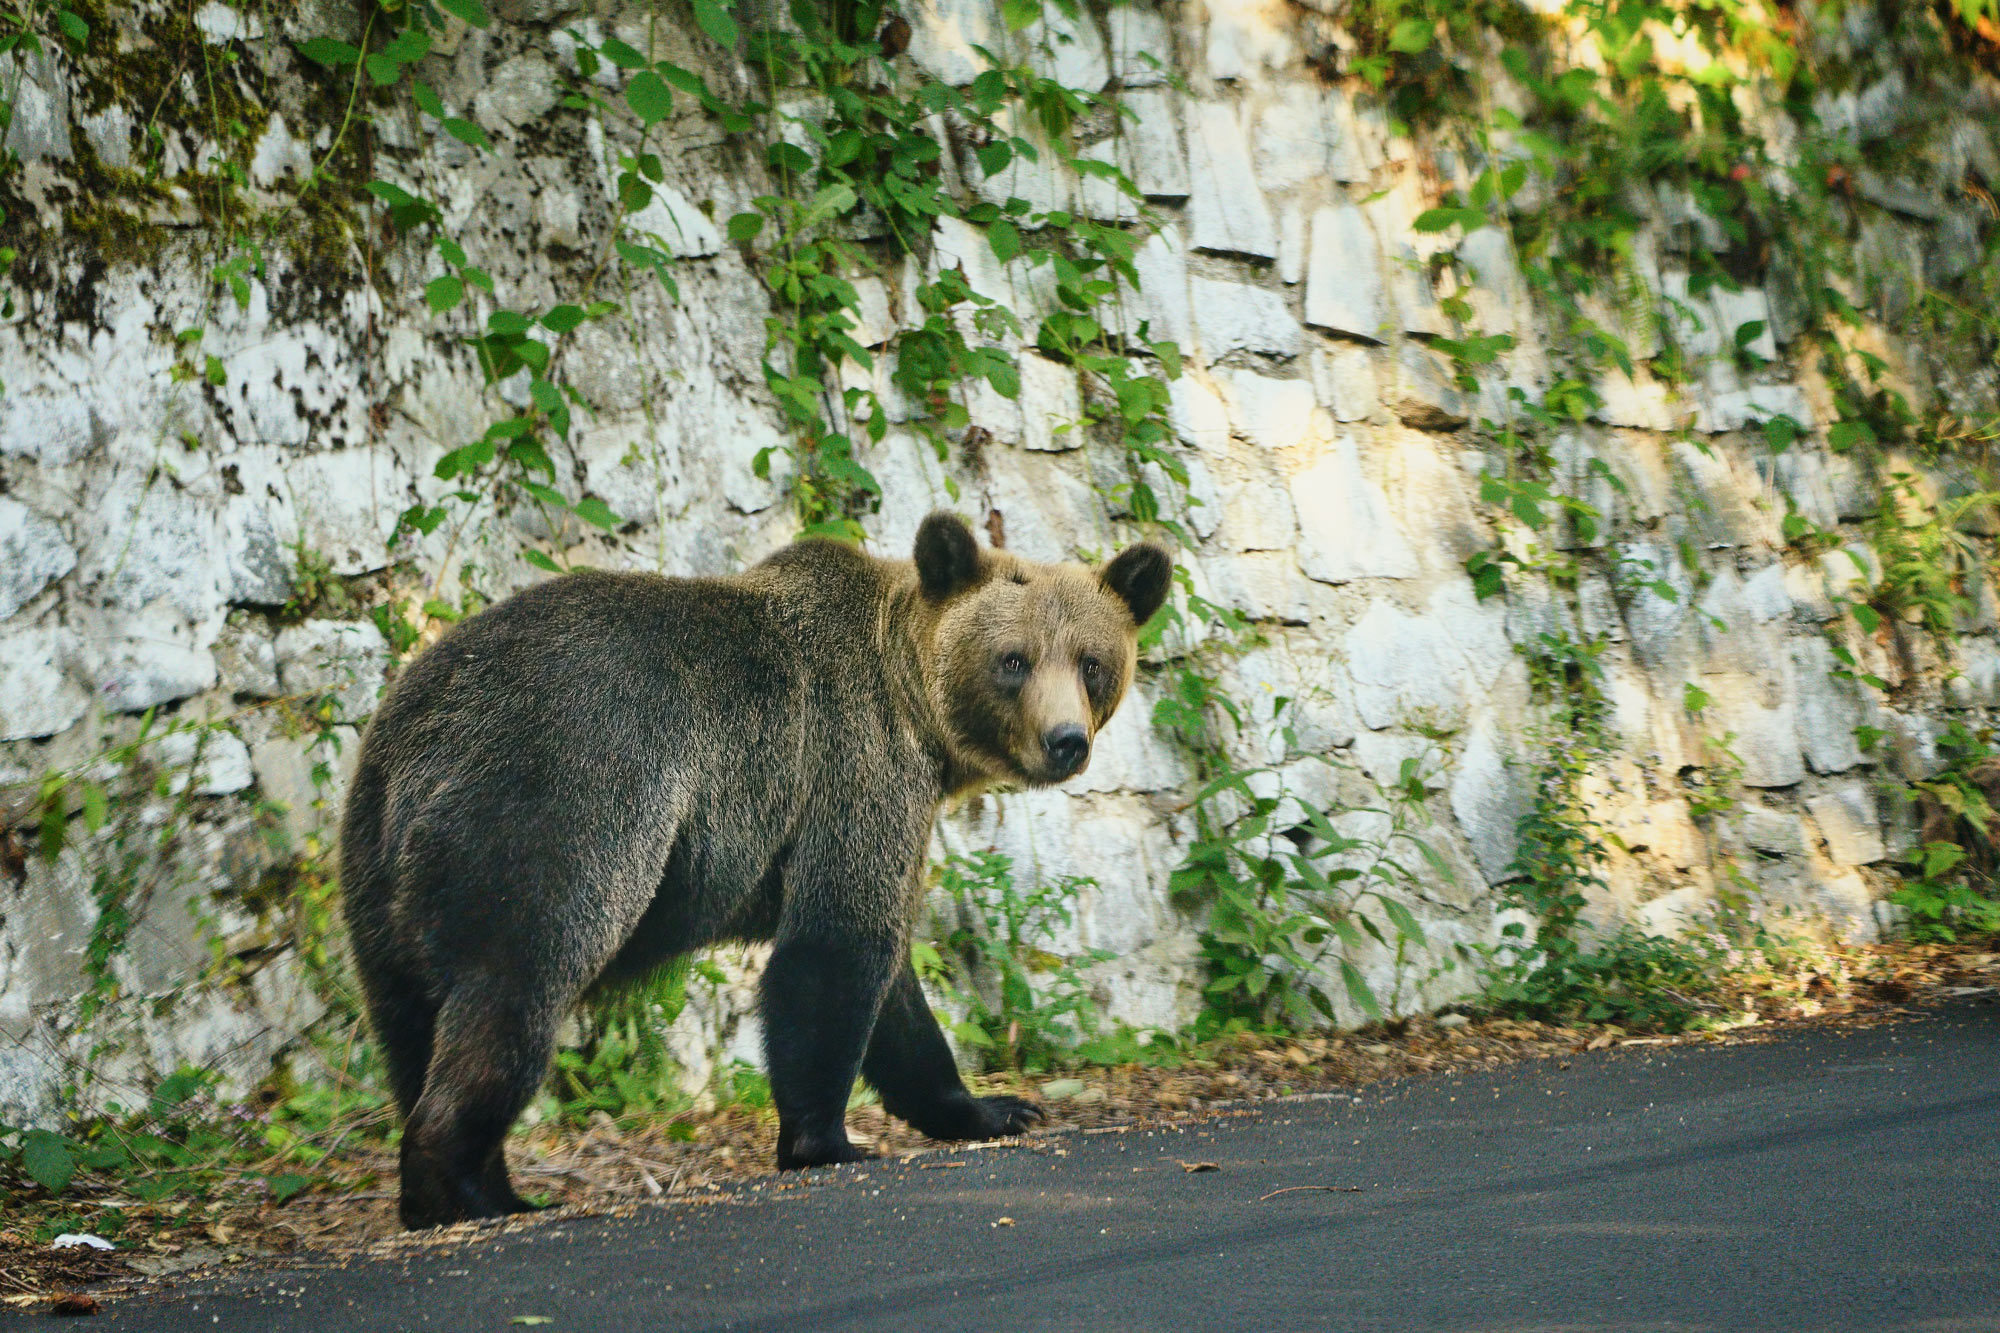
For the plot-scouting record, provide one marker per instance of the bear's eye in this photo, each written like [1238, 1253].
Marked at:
[1092, 668]
[1014, 664]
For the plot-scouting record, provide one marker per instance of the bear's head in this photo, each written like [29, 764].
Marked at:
[1026, 661]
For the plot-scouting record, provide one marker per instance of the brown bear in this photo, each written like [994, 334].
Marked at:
[609, 770]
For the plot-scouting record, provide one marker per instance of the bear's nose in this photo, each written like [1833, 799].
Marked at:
[1067, 747]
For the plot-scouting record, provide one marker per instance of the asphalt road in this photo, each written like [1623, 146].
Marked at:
[1826, 1180]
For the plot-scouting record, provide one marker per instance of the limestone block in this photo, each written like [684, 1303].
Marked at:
[1301, 138]
[1232, 316]
[215, 763]
[347, 503]
[1735, 409]
[1263, 585]
[1226, 211]
[49, 924]
[1762, 713]
[1423, 393]
[675, 225]
[1158, 150]
[1977, 681]
[37, 697]
[219, 23]
[1343, 378]
[1068, 49]
[154, 541]
[1913, 745]
[1499, 294]
[1772, 831]
[39, 95]
[346, 659]
[1411, 668]
[1142, 47]
[1490, 793]
[944, 33]
[533, 11]
[1597, 609]
[1256, 508]
[1722, 515]
[1112, 841]
[150, 662]
[518, 93]
[284, 770]
[1847, 818]
[1639, 401]
[33, 555]
[278, 155]
[1270, 413]
[1735, 310]
[1247, 37]
[1829, 709]
[1198, 415]
[246, 658]
[1292, 243]
[1161, 302]
[1344, 288]
[1051, 406]
[1047, 513]
[1765, 596]
[1346, 529]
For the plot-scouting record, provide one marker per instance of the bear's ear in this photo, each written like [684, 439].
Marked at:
[1139, 576]
[946, 556]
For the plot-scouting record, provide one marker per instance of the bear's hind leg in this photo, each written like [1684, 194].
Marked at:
[493, 1044]
[820, 995]
[404, 1020]
[910, 1065]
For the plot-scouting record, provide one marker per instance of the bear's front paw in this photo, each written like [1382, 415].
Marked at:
[976, 1118]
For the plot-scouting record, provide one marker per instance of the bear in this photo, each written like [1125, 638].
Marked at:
[609, 770]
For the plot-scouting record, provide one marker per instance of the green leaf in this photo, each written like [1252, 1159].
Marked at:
[426, 99]
[468, 134]
[541, 561]
[1844, 435]
[73, 26]
[1005, 238]
[563, 318]
[95, 805]
[1412, 36]
[472, 11]
[716, 22]
[621, 55]
[994, 157]
[382, 70]
[745, 226]
[214, 372]
[594, 511]
[444, 293]
[326, 51]
[46, 1158]
[650, 99]
[285, 1186]
[1020, 14]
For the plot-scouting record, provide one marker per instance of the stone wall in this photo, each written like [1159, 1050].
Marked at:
[157, 519]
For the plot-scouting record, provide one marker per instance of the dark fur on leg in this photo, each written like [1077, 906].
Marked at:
[820, 998]
[910, 1065]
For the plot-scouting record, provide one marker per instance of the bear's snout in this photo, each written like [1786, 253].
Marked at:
[1067, 748]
